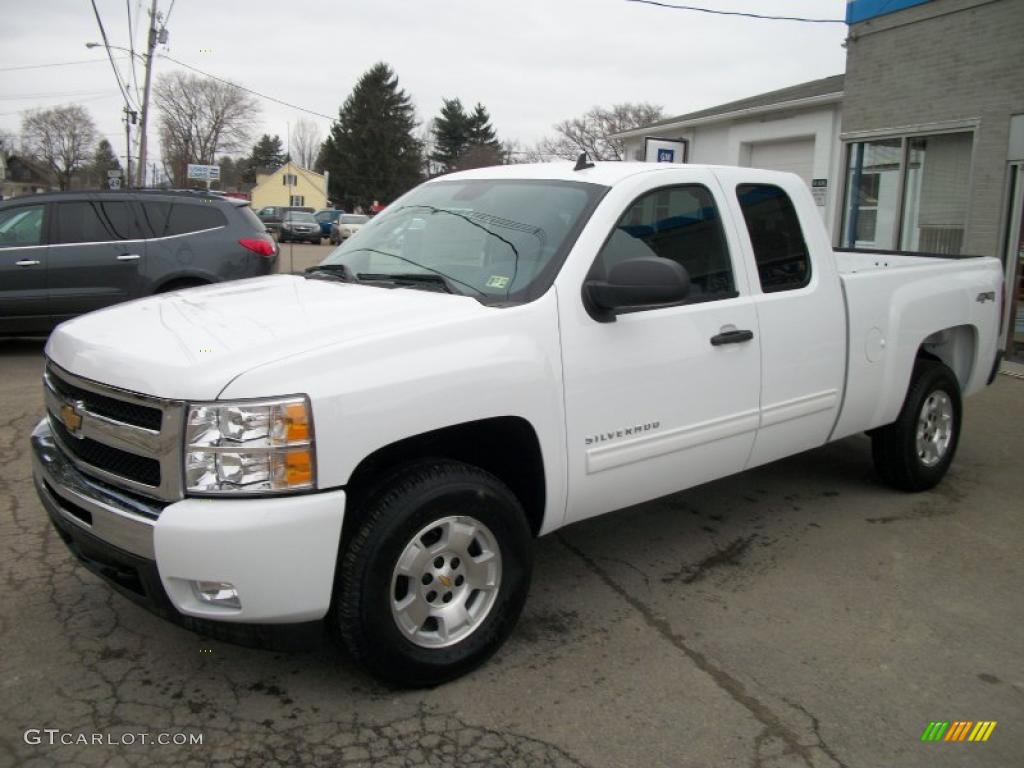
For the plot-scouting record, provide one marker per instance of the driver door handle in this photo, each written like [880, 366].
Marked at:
[129, 257]
[27, 263]
[731, 337]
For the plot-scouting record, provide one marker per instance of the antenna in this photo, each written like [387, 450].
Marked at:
[583, 162]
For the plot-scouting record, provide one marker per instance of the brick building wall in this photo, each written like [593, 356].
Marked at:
[946, 61]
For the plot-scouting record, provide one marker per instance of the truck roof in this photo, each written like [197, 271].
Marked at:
[605, 173]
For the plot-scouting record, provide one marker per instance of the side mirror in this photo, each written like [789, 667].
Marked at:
[641, 282]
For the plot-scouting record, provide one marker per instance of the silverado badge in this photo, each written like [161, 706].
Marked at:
[71, 416]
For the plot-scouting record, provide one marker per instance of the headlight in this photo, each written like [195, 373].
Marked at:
[261, 446]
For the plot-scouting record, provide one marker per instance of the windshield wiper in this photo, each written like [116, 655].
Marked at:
[407, 278]
[329, 272]
[448, 279]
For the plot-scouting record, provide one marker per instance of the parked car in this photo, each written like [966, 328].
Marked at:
[299, 226]
[326, 217]
[271, 215]
[346, 226]
[63, 254]
[546, 344]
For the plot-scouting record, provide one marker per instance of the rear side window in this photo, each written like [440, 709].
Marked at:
[96, 221]
[678, 223]
[783, 263]
[166, 219]
[252, 221]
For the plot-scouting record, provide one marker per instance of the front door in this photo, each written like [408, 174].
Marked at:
[663, 398]
[23, 256]
[96, 257]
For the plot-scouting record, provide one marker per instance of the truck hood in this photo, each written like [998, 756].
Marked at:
[189, 344]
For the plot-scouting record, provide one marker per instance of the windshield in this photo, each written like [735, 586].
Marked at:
[501, 241]
[305, 218]
[353, 219]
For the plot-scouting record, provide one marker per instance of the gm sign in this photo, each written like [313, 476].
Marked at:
[862, 10]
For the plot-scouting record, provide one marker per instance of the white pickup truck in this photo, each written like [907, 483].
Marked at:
[373, 445]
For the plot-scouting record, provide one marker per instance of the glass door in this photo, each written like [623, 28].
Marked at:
[1014, 261]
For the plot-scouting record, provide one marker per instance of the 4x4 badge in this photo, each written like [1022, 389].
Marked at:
[71, 416]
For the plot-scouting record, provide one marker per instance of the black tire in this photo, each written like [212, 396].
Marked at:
[894, 447]
[179, 285]
[410, 499]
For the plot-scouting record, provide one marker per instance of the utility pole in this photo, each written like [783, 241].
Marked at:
[128, 147]
[154, 35]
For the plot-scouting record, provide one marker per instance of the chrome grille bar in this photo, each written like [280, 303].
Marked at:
[73, 420]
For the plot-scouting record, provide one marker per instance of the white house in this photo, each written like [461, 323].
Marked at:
[794, 129]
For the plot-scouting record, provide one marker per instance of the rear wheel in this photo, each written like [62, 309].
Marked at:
[434, 579]
[178, 285]
[915, 451]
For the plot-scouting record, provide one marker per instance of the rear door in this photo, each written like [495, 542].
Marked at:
[23, 257]
[800, 311]
[97, 253]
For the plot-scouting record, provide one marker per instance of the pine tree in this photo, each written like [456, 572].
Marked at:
[103, 160]
[481, 133]
[371, 152]
[451, 134]
[267, 153]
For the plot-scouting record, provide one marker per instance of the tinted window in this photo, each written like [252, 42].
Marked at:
[678, 223]
[96, 221]
[21, 226]
[192, 217]
[776, 237]
[251, 219]
[154, 216]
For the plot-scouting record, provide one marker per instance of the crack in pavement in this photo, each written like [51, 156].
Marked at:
[774, 727]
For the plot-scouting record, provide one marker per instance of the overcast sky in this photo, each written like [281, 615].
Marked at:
[531, 62]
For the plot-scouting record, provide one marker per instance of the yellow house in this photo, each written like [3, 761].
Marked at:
[290, 185]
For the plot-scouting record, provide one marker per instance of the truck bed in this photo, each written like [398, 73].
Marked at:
[893, 304]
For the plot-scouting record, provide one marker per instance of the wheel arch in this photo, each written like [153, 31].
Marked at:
[956, 347]
[506, 446]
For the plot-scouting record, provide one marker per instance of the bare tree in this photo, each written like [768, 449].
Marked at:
[594, 132]
[201, 118]
[306, 140]
[62, 138]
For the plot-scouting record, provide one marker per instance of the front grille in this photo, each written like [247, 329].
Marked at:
[139, 469]
[119, 410]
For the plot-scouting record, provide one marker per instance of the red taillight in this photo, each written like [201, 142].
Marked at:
[264, 246]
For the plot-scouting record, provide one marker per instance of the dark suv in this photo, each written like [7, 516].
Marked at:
[63, 254]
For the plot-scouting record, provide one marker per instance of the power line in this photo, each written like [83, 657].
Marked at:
[243, 88]
[131, 46]
[737, 13]
[106, 46]
[55, 64]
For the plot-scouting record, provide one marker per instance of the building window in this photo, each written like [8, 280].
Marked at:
[289, 180]
[297, 200]
[908, 193]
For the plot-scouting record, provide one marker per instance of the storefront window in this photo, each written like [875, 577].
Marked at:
[935, 202]
[934, 172]
[872, 194]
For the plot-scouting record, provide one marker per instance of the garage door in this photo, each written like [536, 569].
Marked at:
[795, 156]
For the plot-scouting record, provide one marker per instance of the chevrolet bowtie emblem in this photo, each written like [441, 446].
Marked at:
[71, 416]
[446, 581]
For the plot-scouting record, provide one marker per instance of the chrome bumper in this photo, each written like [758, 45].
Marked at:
[123, 521]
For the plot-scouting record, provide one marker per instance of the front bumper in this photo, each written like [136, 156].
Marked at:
[279, 553]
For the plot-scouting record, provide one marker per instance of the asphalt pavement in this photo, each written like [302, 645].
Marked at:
[796, 615]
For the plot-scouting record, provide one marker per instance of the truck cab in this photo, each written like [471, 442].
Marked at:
[373, 445]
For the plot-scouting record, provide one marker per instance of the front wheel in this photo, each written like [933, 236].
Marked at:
[434, 579]
[915, 451]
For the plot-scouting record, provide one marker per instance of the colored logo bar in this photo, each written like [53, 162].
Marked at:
[958, 730]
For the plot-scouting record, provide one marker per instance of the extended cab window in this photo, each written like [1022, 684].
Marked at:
[20, 227]
[783, 263]
[679, 223]
[96, 221]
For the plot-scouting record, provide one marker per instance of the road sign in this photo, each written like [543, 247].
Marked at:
[115, 182]
[203, 172]
[113, 173]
